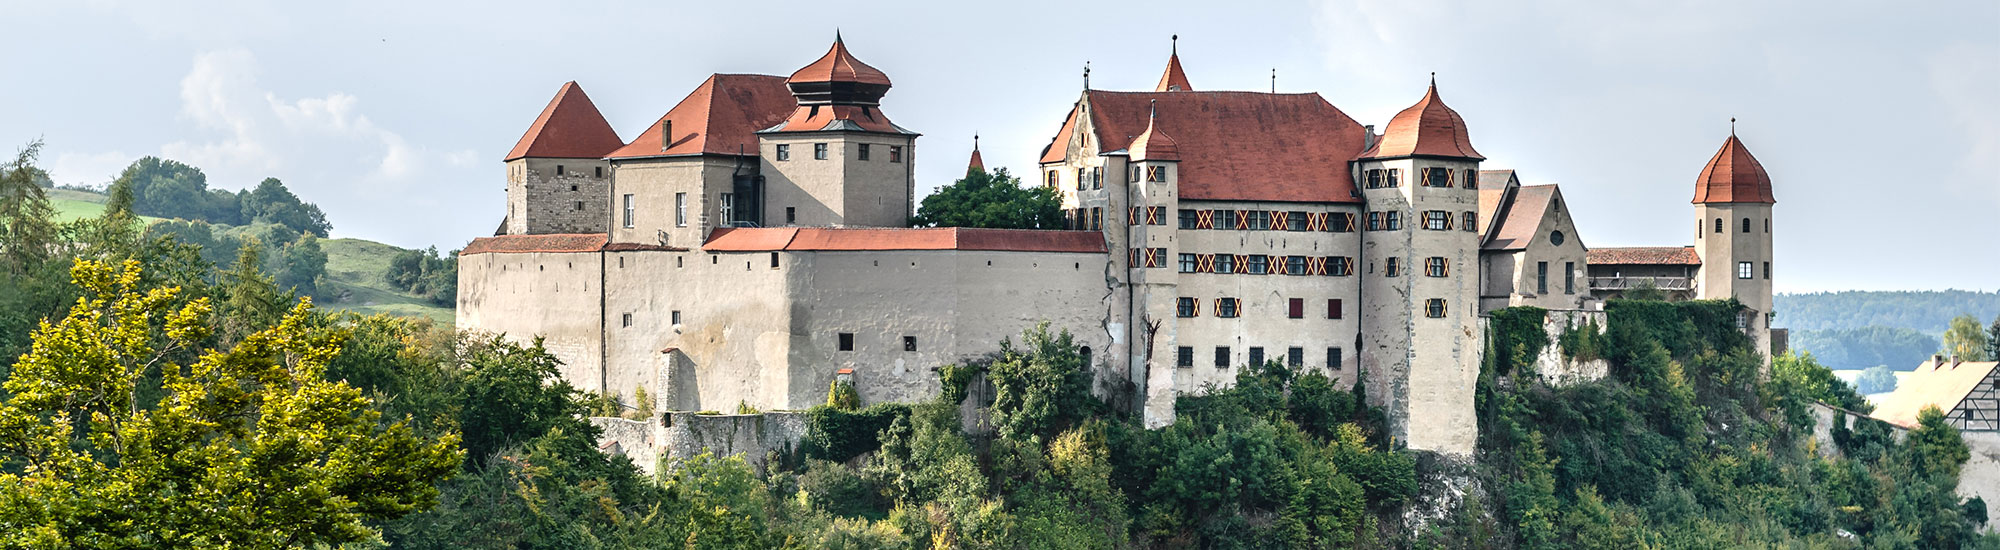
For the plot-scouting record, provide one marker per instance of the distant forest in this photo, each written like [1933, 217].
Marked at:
[1861, 329]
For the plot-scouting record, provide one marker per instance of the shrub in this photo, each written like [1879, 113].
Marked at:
[838, 435]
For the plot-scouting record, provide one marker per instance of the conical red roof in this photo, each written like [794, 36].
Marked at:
[570, 127]
[1154, 144]
[977, 164]
[1733, 176]
[1174, 80]
[839, 66]
[1428, 128]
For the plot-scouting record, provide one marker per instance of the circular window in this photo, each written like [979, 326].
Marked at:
[1556, 238]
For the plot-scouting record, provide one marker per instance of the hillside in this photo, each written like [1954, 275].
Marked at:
[1926, 311]
[354, 267]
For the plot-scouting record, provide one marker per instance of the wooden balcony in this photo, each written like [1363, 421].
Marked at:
[1628, 283]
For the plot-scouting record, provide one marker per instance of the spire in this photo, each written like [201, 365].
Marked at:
[1086, 74]
[1274, 80]
[569, 127]
[977, 164]
[1175, 79]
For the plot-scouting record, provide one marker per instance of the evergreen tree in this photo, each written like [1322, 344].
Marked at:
[27, 235]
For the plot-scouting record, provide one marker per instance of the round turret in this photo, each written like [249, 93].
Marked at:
[837, 78]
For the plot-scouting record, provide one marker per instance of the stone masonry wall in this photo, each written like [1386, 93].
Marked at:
[677, 436]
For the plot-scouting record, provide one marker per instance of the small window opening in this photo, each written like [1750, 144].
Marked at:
[847, 341]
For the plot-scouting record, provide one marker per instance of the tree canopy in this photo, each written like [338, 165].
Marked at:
[991, 200]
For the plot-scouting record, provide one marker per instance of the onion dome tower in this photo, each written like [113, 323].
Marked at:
[837, 150]
[1732, 205]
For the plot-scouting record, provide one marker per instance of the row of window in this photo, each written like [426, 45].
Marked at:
[1382, 178]
[598, 172]
[1542, 277]
[1294, 357]
[1093, 177]
[1258, 220]
[847, 342]
[1718, 226]
[1744, 270]
[726, 210]
[1248, 264]
[1230, 308]
[820, 152]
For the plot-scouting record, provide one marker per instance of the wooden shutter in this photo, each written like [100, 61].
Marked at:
[1242, 219]
[1279, 219]
[1204, 219]
[1204, 263]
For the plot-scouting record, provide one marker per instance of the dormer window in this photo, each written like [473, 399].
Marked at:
[1156, 174]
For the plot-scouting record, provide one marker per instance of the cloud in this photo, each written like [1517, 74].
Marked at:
[93, 169]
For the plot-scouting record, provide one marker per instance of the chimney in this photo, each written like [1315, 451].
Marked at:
[666, 134]
[1937, 360]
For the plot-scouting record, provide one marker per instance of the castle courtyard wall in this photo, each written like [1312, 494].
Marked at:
[555, 296]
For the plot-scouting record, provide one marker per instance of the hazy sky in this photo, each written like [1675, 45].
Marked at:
[1880, 125]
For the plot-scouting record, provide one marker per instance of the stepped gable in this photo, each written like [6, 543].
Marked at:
[1249, 146]
[569, 127]
[1429, 129]
[1643, 255]
[721, 117]
[1733, 176]
[768, 239]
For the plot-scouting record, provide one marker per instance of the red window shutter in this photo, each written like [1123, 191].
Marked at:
[1204, 219]
[1297, 308]
[1278, 219]
[1333, 308]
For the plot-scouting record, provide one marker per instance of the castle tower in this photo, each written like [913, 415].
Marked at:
[1420, 348]
[1732, 206]
[838, 160]
[1151, 248]
[1174, 79]
[557, 178]
[977, 164]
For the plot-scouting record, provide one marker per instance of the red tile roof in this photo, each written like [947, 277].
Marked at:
[1233, 145]
[839, 66]
[554, 242]
[569, 127]
[1733, 176]
[815, 118]
[761, 239]
[721, 117]
[976, 163]
[1643, 255]
[1174, 80]
[1428, 128]
[1493, 188]
[1154, 144]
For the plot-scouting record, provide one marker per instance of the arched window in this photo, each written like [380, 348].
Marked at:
[1085, 352]
[1718, 225]
[1746, 225]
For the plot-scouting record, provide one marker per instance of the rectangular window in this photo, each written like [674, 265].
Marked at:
[819, 151]
[1156, 174]
[1569, 277]
[847, 341]
[1295, 357]
[1184, 356]
[1437, 266]
[1187, 307]
[677, 316]
[599, 171]
[1374, 221]
[1471, 222]
[579, 205]
[1222, 356]
[1471, 179]
[909, 343]
[1434, 308]
[1096, 218]
[1375, 178]
[1389, 266]
[680, 209]
[1190, 219]
[1295, 221]
[625, 320]
[1295, 265]
[1767, 270]
[861, 152]
[1156, 257]
[1340, 266]
[1097, 177]
[1340, 223]
[1156, 215]
[1333, 358]
[1333, 308]
[1259, 264]
[1053, 179]
[1189, 263]
[559, 171]
[774, 260]
[1081, 181]
[1226, 307]
[629, 210]
[1541, 277]
[784, 151]
[1260, 220]
[1256, 356]
[1392, 221]
[1437, 220]
[1225, 263]
[728, 207]
[791, 214]
[1391, 178]
[1743, 270]
[1296, 308]
[895, 153]
[1437, 177]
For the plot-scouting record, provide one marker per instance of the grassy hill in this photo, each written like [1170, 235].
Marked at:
[354, 267]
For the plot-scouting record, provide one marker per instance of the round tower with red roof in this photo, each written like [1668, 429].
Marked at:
[1420, 275]
[1732, 205]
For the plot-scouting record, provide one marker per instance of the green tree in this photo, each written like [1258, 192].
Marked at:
[271, 202]
[299, 266]
[1993, 340]
[1876, 379]
[1040, 388]
[27, 234]
[992, 200]
[1964, 339]
[249, 447]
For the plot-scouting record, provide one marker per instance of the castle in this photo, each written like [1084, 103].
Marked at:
[750, 246]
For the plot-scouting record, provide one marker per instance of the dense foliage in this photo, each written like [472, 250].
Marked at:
[425, 274]
[1874, 380]
[1860, 348]
[168, 189]
[1926, 311]
[990, 199]
[1966, 339]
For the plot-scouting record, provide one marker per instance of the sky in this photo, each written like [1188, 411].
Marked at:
[1880, 127]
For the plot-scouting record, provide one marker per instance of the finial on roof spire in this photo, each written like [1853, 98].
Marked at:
[1152, 108]
[1086, 74]
[1274, 80]
[1174, 48]
[1732, 126]
[836, 35]
[975, 141]
[1434, 79]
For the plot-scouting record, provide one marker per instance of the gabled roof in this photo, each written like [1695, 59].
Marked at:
[838, 65]
[1643, 255]
[1233, 145]
[1174, 79]
[765, 239]
[1521, 219]
[1733, 176]
[569, 127]
[1429, 128]
[1934, 383]
[1494, 185]
[720, 117]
